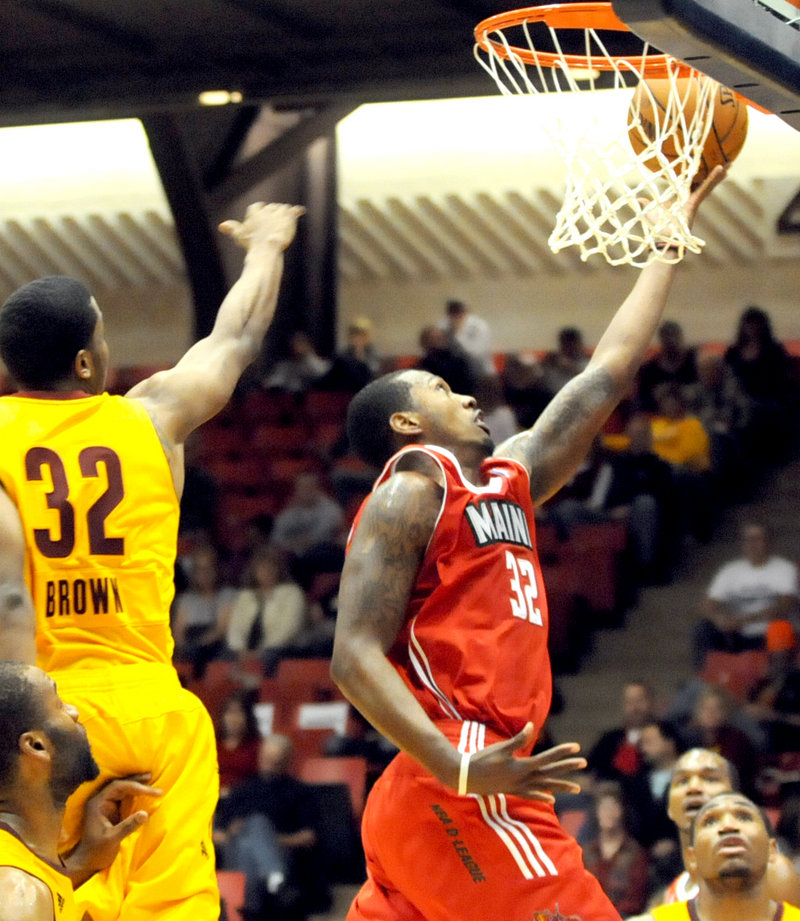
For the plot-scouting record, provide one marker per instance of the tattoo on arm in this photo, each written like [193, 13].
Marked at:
[562, 435]
[386, 555]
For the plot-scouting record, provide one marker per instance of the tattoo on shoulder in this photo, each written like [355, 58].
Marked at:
[391, 541]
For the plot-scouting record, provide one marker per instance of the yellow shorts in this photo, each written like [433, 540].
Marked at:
[139, 719]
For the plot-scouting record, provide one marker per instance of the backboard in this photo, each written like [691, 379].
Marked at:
[752, 46]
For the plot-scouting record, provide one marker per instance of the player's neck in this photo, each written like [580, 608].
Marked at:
[38, 826]
[720, 903]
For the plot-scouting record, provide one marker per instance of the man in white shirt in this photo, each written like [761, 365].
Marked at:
[745, 596]
[472, 334]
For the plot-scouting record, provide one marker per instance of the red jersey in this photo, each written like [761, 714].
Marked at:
[473, 648]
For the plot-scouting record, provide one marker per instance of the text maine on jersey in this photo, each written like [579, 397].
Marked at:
[498, 521]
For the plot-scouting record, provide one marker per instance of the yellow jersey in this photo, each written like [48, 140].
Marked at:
[15, 853]
[91, 481]
[687, 911]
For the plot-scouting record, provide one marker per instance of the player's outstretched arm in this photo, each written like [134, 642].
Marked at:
[378, 577]
[17, 618]
[562, 435]
[202, 382]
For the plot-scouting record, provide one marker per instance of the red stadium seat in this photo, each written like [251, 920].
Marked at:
[231, 890]
[350, 771]
[737, 672]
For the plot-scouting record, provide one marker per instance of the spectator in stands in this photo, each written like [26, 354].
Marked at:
[761, 367]
[647, 798]
[202, 612]
[721, 407]
[614, 856]
[268, 828]
[470, 334]
[497, 414]
[439, 357]
[633, 484]
[745, 596]
[680, 439]
[521, 379]
[301, 370]
[616, 754]
[568, 360]
[311, 529]
[238, 742]
[678, 435]
[775, 700]
[711, 727]
[673, 363]
[268, 615]
[357, 364]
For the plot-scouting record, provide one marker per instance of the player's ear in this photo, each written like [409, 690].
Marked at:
[691, 861]
[405, 423]
[84, 364]
[35, 743]
[773, 851]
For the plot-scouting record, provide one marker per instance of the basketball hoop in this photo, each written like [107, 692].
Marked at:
[624, 204]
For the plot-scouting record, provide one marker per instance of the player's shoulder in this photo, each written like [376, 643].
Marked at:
[23, 897]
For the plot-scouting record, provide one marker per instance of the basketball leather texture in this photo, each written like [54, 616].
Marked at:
[725, 139]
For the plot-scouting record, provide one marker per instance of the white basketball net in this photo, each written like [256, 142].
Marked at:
[614, 204]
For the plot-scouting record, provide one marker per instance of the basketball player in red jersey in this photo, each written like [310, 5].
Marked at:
[441, 638]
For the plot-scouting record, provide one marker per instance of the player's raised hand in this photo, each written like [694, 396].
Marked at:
[270, 223]
[703, 190]
[496, 769]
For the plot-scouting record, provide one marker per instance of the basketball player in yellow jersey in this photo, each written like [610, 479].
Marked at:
[44, 756]
[96, 481]
[730, 852]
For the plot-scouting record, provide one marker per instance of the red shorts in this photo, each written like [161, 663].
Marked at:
[434, 855]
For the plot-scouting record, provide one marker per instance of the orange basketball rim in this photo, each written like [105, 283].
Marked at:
[597, 16]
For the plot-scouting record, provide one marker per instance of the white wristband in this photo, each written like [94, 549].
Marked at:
[463, 773]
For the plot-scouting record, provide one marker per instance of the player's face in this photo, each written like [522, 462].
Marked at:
[698, 775]
[730, 842]
[446, 418]
[72, 761]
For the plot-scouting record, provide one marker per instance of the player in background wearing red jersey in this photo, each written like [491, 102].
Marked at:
[441, 638]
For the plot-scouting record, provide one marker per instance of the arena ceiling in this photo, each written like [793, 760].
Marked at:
[95, 58]
[69, 60]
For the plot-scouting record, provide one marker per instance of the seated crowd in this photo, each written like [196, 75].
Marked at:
[272, 490]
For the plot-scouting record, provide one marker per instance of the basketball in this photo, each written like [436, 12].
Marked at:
[725, 139]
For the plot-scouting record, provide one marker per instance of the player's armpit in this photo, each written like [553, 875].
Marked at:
[23, 897]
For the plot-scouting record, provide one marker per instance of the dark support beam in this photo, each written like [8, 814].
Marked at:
[221, 164]
[320, 242]
[189, 209]
[282, 150]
